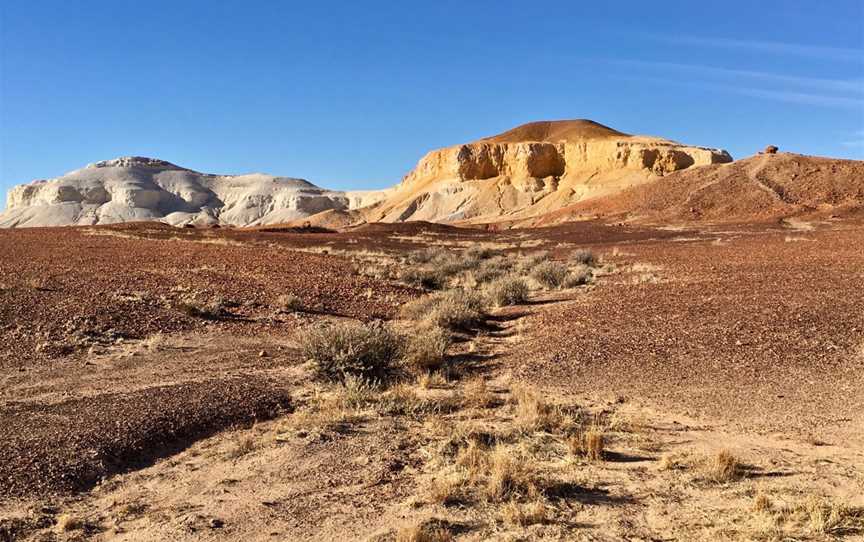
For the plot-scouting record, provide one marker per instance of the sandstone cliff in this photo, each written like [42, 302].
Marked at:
[533, 169]
[135, 188]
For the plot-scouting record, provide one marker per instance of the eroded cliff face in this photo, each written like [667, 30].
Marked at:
[475, 161]
[490, 178]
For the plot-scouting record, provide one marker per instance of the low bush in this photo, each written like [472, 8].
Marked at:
[508, 291]
[429, 279]
[550, 274]
[583, 256]
[367, 351]
[457, 309]
[578, 277]
[425, 348]
[450, 309]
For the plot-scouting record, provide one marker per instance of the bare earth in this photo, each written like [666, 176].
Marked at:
[127, 417]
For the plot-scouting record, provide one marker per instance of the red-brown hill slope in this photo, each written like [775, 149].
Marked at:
[761, 187]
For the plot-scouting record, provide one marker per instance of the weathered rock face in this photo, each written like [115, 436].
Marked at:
[503, 175]
[529, 171]
[135, 188]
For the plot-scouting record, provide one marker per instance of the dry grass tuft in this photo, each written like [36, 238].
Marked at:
[589, 444]
[523, 515]
[68, 522]
[511, 475]
[431, 380]
[430, 530]
[426, 348]
[241, 447]
[289, 303]
[550, 274]
[533, 413]
[476, 394]
[833, 518]
[448, 488]
[814, 516]
[722, 467]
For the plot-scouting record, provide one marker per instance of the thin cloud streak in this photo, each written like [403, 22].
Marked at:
[805, 98]
[839, 85]
[780, 48]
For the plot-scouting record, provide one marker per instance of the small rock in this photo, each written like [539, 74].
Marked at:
[262, 354]
[771, 149]
[216, 523]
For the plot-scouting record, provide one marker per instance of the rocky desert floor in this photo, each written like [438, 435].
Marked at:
[677, 384]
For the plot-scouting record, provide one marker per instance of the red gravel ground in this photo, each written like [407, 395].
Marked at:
[762, 329]
[759, 328]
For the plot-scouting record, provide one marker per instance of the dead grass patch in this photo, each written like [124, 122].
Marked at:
[430, 530]
[289, 303]
[68, 522]
[589, 444]
[721, 468]
[476, 394]
[426, 348]
[522, 515]
[533, 413]
[812, 516]
[242, 446]
[511, 475]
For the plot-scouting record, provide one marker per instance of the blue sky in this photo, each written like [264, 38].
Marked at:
[352, 94]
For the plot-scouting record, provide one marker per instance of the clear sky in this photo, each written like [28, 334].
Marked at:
[352, 94]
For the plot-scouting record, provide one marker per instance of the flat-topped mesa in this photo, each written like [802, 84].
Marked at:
[556, 148]
[534, 168]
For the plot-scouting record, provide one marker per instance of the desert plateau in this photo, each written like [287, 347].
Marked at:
[347, 272]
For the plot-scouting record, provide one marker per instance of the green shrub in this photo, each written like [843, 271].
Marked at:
[550, 274]
[508, 291]
[366, 351]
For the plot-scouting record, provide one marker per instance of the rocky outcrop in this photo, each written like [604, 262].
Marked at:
[529, 171]
[503, 175]
[136, 188]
